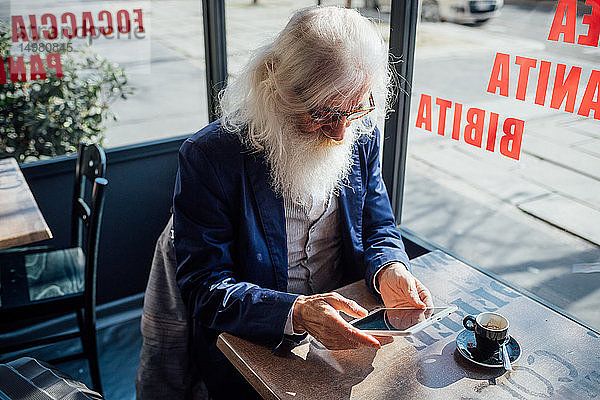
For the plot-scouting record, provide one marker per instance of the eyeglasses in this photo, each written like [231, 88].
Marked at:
[327, 115]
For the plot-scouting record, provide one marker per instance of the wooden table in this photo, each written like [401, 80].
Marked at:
[21, 221]
[560, 358]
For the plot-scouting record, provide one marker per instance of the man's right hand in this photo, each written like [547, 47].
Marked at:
[318, 315]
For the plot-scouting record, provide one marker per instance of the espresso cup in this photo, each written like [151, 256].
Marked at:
[491, 330]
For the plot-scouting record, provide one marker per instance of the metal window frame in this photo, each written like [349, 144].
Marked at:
[403, 33]
[215, 53]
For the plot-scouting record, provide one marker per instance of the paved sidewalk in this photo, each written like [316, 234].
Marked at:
[528, 221]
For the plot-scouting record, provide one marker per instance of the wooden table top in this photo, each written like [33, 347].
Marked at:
[560, 358]
[21, 221]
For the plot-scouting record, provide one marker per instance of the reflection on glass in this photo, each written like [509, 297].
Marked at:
[114, 73]
[531, 221]
[402, 319]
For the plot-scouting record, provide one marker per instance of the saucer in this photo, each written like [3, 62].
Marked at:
[465, 343]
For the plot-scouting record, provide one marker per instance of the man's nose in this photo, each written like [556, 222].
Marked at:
[337, 128]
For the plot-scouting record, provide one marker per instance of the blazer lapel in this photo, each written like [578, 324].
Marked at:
[272, 217]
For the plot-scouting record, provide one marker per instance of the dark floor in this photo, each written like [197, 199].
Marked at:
[119, 344]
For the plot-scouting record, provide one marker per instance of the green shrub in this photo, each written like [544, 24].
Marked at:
[46, 118]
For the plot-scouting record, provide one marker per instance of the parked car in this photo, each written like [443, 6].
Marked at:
[462, 11]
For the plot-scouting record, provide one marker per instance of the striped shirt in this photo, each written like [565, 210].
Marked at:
[314, 245]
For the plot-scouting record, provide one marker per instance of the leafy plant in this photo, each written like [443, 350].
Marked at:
[50, 117]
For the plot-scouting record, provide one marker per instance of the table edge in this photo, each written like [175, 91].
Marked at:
[242, 367]
[30, 237]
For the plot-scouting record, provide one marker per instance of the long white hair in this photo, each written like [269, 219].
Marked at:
[323, 54]
[324, 57]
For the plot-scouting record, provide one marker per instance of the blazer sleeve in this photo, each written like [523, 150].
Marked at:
[206, 272]
[382, 241]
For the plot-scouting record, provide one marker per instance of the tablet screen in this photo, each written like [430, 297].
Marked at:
[396, 319]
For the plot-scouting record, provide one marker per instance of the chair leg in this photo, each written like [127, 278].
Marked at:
[93, 360]
[87, 326]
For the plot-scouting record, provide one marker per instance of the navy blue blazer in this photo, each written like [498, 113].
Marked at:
[230, 238]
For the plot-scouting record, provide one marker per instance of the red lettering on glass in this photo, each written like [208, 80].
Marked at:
[592, 91]
[542, 83]
[474, 126]
[73, 32]
[109, 22]
[565, 10]
[123, 23]
[53, 34]
[17, 69]
[424, 113]
[19, 30]
[444, 105]
[510, 143]
[2, 71]
[565, 87]
[492, 129]
[592, 20]
[37, 68]
[525, 64]
[53, 61]
[34, 28]
[499, 75]
[138, 19]
[456, 121]
[87, 24]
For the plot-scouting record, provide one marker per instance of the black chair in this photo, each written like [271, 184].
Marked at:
[38, 283]
[28, 378]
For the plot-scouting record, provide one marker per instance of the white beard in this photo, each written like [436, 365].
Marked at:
[308, 165]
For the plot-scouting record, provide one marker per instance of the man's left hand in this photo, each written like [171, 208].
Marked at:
[399, 288]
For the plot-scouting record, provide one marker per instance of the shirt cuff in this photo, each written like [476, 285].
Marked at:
[289, 324]
[375, 285]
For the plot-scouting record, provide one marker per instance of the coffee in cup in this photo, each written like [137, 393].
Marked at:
[491, 330]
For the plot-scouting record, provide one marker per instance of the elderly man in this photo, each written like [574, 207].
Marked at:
[281, 200]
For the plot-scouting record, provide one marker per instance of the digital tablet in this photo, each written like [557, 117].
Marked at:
[400, 321]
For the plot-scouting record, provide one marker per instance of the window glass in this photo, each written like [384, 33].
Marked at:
[251, 23]
[503, 161]
[118, 73]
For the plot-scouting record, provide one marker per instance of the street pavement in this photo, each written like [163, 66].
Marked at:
[527, 221]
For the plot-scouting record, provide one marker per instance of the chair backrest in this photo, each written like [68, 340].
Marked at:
[29, 378]
[88, 206]
[91, 164]
[166, 370]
